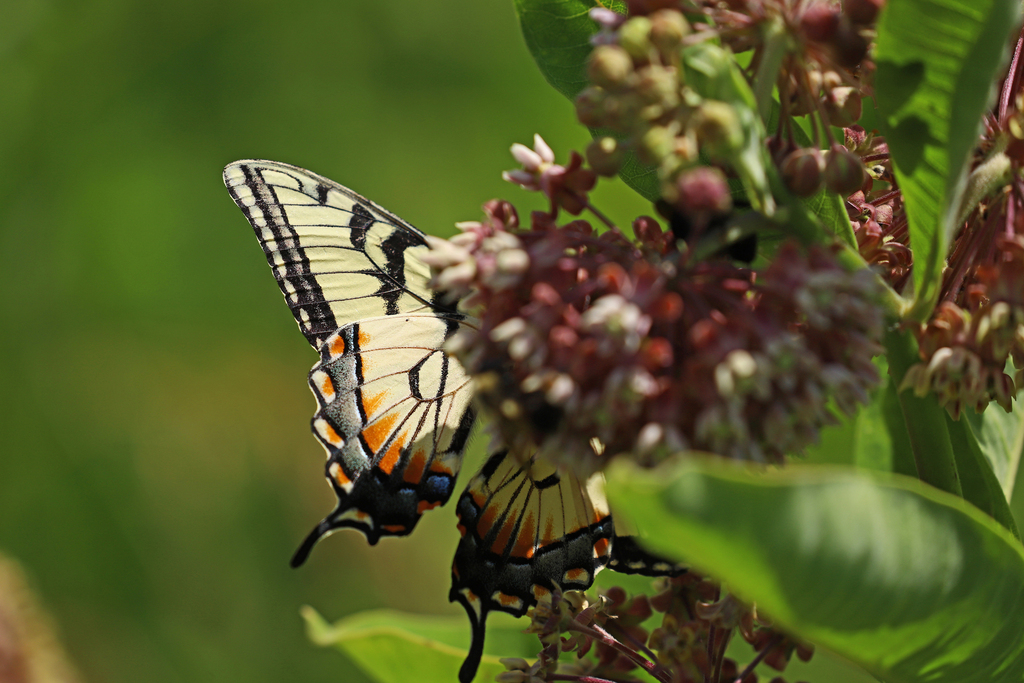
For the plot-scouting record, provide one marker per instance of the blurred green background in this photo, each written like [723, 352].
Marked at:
[156, 466]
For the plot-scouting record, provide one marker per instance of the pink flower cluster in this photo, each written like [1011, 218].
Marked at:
[594, 343]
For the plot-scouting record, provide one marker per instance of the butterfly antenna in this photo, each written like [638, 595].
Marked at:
[318, 532]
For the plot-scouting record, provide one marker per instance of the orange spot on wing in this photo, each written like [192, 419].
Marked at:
[601, 547]
[548, 537]
[364, 338]
[524, 542]
[327, 388]
[390, 459]
[332, 435]
[341, 477]
[575, 574]
[479, 498]
[371, 403]
[394, 528]
[508, 600]
[486, 521]
[338, 345]
[425, 505]
[501, 541]
[462, 530]
[438, 467]
[539, 591]
[417, 464]
[378, 432]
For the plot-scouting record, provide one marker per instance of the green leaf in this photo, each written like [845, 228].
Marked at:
[395, 647]
[937, 60]
[1000, 438]
[557, 34]
[977, 480]
[905, 580]
[923, 417]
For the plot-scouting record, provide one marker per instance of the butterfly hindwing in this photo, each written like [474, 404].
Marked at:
[526, 529]
[393, 408]
[394, 417]
[337, 256]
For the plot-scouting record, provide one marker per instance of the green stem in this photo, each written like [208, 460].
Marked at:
[924, 418]
[776, 45]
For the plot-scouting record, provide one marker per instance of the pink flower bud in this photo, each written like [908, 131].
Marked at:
[844, 172]
[862, 11]
[802, 171]
[820, 21]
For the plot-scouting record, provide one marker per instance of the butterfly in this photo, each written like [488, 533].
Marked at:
[394, 411]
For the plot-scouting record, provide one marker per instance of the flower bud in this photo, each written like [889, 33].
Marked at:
[590, 107]
[820, 21]
[849, 47]
[668, 28]
[655, 144]
[635, 38]
[703, 189]
[605, 156]
[609, 66]
[862, 11]
[843, 106]
[718, 128]
[658, 85]
[844, 172]
[802, 171]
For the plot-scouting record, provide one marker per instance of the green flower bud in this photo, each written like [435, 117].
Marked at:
[658, 85]
[718, 128]
[655, 144]
[635, 38]
[668, 28]
[609, 66]
[622, 111]
[605, 155]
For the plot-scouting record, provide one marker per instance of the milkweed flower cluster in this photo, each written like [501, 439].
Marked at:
[977, 327]
[594, 339]
[692, 612]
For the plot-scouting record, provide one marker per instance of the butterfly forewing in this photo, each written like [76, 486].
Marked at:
[337, 256]
[393, 408]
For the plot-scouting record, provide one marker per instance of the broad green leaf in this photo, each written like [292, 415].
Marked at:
[980, 486]
[396, 647]
[924, 418]
[874, 438]
[905, 580]
[1000, 437]
[557, 33]
[937, 61]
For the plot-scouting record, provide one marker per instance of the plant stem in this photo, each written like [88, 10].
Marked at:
[775, 640]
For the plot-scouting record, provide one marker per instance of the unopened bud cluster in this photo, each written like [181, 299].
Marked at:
[638, 87]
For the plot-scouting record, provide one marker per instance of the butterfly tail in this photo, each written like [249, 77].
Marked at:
[476, 650]
[318, 532]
